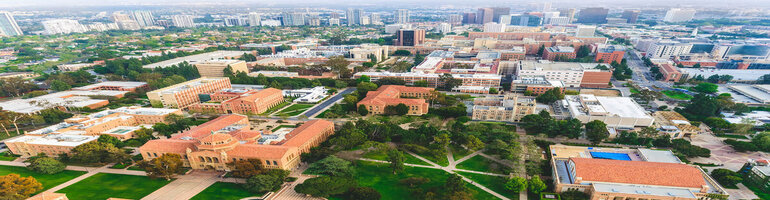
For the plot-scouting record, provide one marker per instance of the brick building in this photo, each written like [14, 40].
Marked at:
[610, 53]
[559, 53]
[392, 95]
[670, 73]
[187, 93]
[229, 101]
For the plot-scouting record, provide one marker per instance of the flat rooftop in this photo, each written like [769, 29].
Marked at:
[121, 84]
[644, 190]
[542, 65]
[56, 139]
[196, 58]
[738, 74]
[189, 84]
[71, 98]
[756, 92]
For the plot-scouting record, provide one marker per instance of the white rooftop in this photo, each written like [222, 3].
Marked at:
[644, 190]
[122, 84]
[56, 139]
[71, 98]
[196, 58]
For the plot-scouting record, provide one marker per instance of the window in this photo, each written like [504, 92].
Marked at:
[267, 161]
[275, 163]
[202, 160]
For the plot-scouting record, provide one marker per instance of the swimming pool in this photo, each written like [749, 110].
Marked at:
[611, 156]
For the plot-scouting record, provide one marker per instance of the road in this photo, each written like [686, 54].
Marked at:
[329, 102]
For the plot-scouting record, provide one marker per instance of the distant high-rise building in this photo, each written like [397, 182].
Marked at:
[117, 16]
[235, 21]
[144, 18]
[334, 22]
[558, 21]
[444, 28]
[125, 22]
[494, 27]
[365, 20]
[593, 15]
[585, 31]
[255, 19]
[547, 7]
[455, 19]
[569, 13]
[292, 19]
[402, 16]
[375, 19]
[334, 15]
[184, 21]
[547, 16]
[526, 20]
[63, 26]
[314, 21]
[410, 37]
[679, 15]
[8, 26]
[631, 16]
[505, 19]
[486, 15]
[354, 16]
[469, 18]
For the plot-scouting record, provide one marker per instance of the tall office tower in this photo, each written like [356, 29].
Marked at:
[144, 18]
[184, 21]
[526, 20]
[499, 11]
[585, 31]
[569, 13]
[125, 22]
[117, 16]
[505, 19]
[486, 15]
[231, 21]
[8, 26]
[292, 19]
[455, 19]
[595, 15]
[493, 27]
[444, 28]
[547, 7]
[354, 16]
[334, 15]
[558, 21]
[375, 19]
[63, 26]
[679, 15]
[365, 20]
[402, 16]
[410, 37]
[469, 18]
[255, 19]
[631, 16]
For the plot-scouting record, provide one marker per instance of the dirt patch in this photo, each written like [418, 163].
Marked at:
[605, 93]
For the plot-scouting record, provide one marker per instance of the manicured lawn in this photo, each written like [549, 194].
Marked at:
[441, 160]
[7, 156]
[384, 156]
[677, 95]
[48, 180]
[494, 183]
[482, 164]
[459, 152]
[278, 107]
[224, 191]
[295, 109]
[135, 168]
[103, 186]
[283, 126]
[380, 177]
[633, 90]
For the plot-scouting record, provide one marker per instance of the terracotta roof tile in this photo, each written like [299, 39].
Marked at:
[259, 151]
[213, 125]
[391, 94]
[168, 145]
[638, 172]
[304, 133]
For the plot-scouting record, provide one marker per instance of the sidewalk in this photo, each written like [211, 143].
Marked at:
[185, 186]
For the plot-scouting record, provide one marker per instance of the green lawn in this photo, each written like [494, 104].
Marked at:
[677, 95]
[482, 164]
[633, 90]
[103, 186]
[494, 183]
[48, 180]
[380, 177]
[384, 156]
[459, 152]
[278, 107]
[7, 156]
[283, 126]
[295, 109]
[441, 160]
[224, 191]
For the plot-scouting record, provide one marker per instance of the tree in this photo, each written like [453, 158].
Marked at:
[764, 79]
[401, 109]
[60, 85]
[424, 83]
[726, 177]
[246, 168]
[396, 159]
[402, 52]
[713, 78]
[550, 96]
[449, 82]
[413, 182]
[362, 110]
[390, 81]
[516, 184]
[365, 87]
[706, 88]
[111, 140]
[325, 186]
[536, 185]
[15, 187]
[596, 131]
[262, 183]
[339, 65]
[46, 165]
[473, 143]
[165, 166]
[331, 166]
[540, 50]
[455, 187]
[368, 193]
[574, 195]
[98, 152]
[493, 91]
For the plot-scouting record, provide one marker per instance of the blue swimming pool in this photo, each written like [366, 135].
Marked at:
[611, 156]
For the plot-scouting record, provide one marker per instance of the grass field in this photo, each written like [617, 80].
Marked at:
[494, 183]
[458, 152]
[380, 177]
[103, 186]
[278, 107]
[482, 164]
[48, 180]
[384, 156]
[295, 109]
[677, 95]
[441, 160]
[224, 191]
[7, 156]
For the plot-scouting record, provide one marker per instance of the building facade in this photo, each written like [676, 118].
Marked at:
[231, 101]
[392, 95]
[215, 68]
[184, 94]
[410, 37]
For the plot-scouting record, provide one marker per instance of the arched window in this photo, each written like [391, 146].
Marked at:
[275, 163]
[208, 159]
[216, 160]
[267, 161]
[201, 158]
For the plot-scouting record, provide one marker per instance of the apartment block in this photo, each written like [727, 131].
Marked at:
[187, 93]
[215, 68]
[392, 95]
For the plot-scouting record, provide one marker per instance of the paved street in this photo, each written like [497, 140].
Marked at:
[312, 112]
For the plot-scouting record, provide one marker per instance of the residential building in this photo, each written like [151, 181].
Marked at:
[255, 19]
[469, 18]
[444, 28]
[63, 137]
[674, 124]
[679, 15]
[615, 173]
[184, 94]
[239, 101]
[610, 53]
[536, 85]
[585, 31]
[392, 95]
[215, 68]
[354, 16]
[668, 49]
[616, 112]
[183, 21]
[570, 74]
[62, 26]
[559, 53]
[631, 16]
[293, 19]
[8, 25]
[492, 14]
[393, 28]
[559, 21]
[494, 27]
[455, 19]
[503, 108]
[144, 18]
[410, 37]
[402, 16]
[593, 15]
[230, 138]
[569, 13]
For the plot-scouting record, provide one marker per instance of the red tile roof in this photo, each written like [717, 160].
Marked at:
[261, 94]
[259, 151]
[169, 146]
[638, 172]
[391, 94]
[205, 129]
[304, 133]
